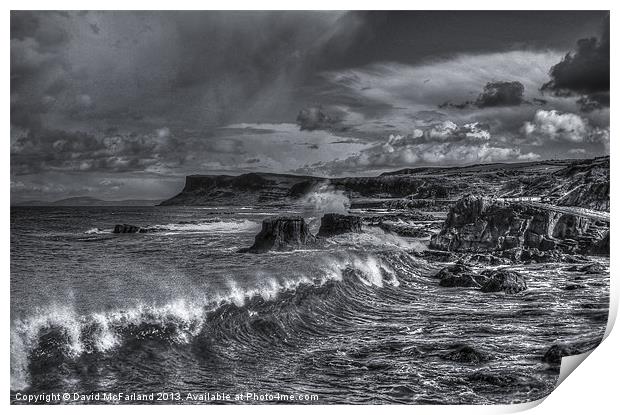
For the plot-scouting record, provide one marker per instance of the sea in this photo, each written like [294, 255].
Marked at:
[179, 313]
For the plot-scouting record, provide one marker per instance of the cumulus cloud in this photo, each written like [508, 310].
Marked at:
[585, 71]
[563, 127]
[445, 143]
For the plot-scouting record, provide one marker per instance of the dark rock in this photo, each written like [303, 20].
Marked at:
[281, 234]
[510, 282]
[466, 354]
[459, 275]
[600, 247]
[124, 228]
[336, 224]
[572, 287]
[538, 256]
[484, 259]
[480, 224]
[588, 269]
[556, 352]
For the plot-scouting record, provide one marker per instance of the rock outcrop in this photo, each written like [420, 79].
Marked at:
[600, 247]
[282, 233]
[459, 275]
[480, 224]
[588, 269]
[510, 282]
[124, 228]
[336, 224]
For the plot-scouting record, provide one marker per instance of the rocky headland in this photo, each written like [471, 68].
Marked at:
[520, 230]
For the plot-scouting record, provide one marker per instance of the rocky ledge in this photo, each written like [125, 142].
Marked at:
[282, 233]
[336, 224]
[480, 224]
[500, 280]
[125, 228]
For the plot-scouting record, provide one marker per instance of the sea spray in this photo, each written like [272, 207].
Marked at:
[325, 198]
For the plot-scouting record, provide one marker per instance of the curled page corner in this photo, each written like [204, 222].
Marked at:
[569, 364]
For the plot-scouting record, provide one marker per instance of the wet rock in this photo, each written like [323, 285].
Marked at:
[124, 228]
[481, 224]
[538, 256]
[336, 224]
[281, 234]
[510, 282]
[600, 247]
[459, 275]
[556, 352]
[484, 259]
[466, 354]
[588, 269]
[572, 287]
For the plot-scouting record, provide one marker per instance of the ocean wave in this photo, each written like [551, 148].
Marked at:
[58, 332]
[215, 226]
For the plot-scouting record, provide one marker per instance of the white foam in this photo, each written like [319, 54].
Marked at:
[96, 231]
[211, 227]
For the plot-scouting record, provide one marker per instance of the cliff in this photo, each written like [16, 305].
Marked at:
[282, 233]
[243, 190]
[478, 224]
[583, 183]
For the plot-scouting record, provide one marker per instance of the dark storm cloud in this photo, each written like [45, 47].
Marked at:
[316, 118]
[89, 90]
[584, 72]
[43, 150]
[413, 36]
[501, 94]
[494, 94]
[140, 65]
[170, 93]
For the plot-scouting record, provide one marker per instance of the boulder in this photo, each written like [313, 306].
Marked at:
[587, 269]
[459, 275]
[282, 233]
[556, 352]
[572, 287]
[336, 224]
[510, 282]
[124, 228]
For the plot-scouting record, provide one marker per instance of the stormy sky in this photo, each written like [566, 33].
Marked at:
[120, 105]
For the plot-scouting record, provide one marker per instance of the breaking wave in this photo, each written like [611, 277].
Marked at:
[217, 226]
[247, 316]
